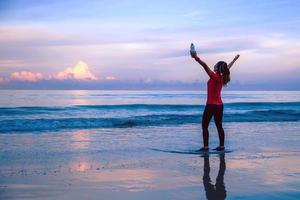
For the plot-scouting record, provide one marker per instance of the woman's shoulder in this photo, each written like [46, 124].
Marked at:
[215, 76]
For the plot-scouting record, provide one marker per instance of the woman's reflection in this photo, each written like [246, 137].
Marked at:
[217, 191]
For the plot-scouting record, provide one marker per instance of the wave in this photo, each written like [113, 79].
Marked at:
[55, 124]
[8, 111]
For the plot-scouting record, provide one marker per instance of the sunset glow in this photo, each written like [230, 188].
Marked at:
[136, 41]
[80, 72]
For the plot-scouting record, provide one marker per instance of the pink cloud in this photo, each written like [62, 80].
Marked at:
[3, 80]
[80, 72]
[110, 78]
[26, 76]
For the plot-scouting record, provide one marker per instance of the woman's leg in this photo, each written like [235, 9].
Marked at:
[218, 117]
[207, 115]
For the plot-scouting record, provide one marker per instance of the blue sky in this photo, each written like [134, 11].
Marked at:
[134, 40]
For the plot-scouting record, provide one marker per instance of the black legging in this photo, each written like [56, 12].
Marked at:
[217, 112]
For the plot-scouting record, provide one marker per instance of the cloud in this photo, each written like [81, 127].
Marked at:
[26, 76]
[6, 63]
[3, 80]
[196, 14]
[79, 72]
[110, 78]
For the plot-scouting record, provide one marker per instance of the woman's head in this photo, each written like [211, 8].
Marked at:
[222, 69]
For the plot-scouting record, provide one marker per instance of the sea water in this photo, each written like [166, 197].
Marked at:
[58, 144]
[36, 111]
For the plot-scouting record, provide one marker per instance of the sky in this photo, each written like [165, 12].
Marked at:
[53, 43]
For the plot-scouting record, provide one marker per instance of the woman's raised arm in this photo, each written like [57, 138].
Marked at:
[203, 64]
[232, 62]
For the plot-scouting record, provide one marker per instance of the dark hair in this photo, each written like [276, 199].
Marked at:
[223, 70]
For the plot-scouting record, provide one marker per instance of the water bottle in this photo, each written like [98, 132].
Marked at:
[193, 50]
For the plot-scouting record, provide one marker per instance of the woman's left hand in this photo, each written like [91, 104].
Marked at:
[237, 56]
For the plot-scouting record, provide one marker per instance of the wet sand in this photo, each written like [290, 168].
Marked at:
[120, 164]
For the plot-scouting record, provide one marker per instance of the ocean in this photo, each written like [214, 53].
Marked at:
[79, 144]
[37, 111]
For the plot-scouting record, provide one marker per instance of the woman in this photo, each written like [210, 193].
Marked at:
[214, 105]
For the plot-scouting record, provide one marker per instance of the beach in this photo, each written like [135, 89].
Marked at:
[140, 144]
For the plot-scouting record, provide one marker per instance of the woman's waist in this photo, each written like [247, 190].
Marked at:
[214, 101]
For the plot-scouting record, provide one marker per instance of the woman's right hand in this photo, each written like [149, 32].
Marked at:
[193, 54]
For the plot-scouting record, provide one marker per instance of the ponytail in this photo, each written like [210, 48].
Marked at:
[226, 75]
[223, 70]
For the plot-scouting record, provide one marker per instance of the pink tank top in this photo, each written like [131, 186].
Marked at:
[214, 88]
